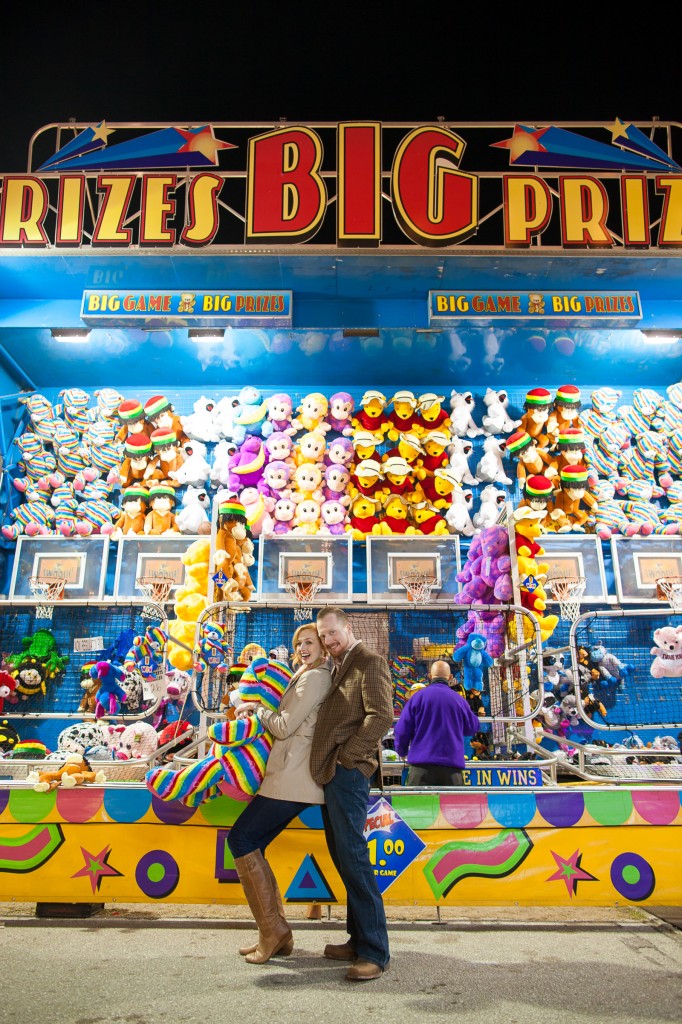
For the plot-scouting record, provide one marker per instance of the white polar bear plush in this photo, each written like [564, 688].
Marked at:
[193, 516]
[220, 470]
[492, 500]
[460, 450]
[200, 424]
[490, 468]
[195, 470]
[457, 516]
[223, 416]
[667, 653]
[461, 418]
[496, 420]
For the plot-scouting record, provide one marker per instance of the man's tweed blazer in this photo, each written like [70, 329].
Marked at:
[354, 717]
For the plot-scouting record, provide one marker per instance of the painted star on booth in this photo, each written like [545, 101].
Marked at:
[96, 867]
[570, 872]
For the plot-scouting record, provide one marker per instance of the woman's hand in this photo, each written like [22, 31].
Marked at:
[246, 709]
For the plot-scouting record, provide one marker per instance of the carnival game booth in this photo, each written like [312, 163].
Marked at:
[189, 471]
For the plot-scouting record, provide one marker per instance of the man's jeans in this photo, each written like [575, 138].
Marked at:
[344, 815]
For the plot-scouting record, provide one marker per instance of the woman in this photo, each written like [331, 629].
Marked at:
[287, 789]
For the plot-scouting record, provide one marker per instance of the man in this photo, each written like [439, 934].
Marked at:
[431, 729]
[351, 723]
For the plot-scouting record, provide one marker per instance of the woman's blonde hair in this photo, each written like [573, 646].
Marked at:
[296, 661]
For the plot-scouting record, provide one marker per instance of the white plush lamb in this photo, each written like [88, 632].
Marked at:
[461, 419]
[460, 450]
[200, 424]
[193, 516]
[496, 419]
[492, 500]
[195, 470]
[457, 516]
[490, 468]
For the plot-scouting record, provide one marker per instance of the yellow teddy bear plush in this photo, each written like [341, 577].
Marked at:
[395, 519]
[190, 607]
[190, 601]
[363, 517]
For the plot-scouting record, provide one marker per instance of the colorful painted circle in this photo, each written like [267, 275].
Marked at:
[80, 804]
[157, 874]
[512, 810]
[633, 877]
[464, 810]
[657, 807]
[127, 805]
[609, 808]
[419, 810]
[311, 817]
[172, 812]
[562, 810]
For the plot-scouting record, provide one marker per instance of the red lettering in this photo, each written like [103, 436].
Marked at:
[435, 204]
[358, 200]
[286, 194]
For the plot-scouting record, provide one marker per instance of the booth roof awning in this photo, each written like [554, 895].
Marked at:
[333, 291]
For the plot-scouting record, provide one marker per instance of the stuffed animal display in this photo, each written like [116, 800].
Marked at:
[36, 667]
[75, 771]
[112, 464]
[611, 465]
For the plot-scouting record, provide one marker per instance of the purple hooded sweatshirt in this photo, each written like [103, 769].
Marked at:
[432, 727]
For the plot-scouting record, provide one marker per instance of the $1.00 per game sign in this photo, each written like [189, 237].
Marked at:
[391, 843]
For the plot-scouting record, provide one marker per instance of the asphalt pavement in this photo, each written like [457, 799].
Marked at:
[174, 971]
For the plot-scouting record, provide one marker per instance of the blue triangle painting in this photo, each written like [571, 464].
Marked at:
[309, 884]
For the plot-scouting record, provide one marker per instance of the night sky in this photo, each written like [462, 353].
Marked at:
[254, 61]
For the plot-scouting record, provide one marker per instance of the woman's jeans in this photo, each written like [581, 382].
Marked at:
[260, 822]
[344, 815]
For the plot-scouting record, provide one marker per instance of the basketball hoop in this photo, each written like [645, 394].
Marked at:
[156, 589]
[568, 590]
[46, 590]
[304, 587]
[418, 586]
[669, 588]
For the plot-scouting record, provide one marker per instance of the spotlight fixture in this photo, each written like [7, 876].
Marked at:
[206, 335]
[361, 332]
[70, 335]
[662, 336]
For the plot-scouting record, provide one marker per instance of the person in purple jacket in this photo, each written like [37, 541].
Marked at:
[431, 729]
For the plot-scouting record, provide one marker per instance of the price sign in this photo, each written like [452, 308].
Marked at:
[391, 843]
[86, 644]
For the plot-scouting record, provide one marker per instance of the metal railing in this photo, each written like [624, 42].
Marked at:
[618, 765]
